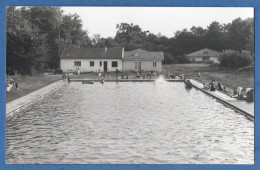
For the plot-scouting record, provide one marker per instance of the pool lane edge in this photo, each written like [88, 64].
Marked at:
[240, 110]
[124, 80]
[44, 93]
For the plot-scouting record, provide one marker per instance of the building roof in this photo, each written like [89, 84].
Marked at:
[143, 55]
[92, 53]
[204, 52]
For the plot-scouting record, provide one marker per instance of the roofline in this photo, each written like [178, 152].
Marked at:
[140, 59]
[201, 50]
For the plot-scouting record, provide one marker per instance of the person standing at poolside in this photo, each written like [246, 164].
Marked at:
[78, 71]
[99, 73]
[68, 78]
[116, 73]
[16, 85]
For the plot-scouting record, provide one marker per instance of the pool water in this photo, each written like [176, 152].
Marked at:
[129, 123]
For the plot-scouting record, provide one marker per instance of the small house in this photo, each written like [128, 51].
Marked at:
[92, 59]
[140, 59]
[204, 56]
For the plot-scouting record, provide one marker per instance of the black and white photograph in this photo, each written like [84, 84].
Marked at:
[129, 85]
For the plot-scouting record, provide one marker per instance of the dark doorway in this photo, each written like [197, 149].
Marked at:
[105, 66]
[205, 59]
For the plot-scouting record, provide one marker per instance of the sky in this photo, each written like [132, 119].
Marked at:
[163, 20]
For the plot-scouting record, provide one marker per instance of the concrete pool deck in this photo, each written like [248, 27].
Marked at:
[244, 107]
[17, 104]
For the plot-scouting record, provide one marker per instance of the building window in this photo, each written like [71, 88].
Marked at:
[154, 64]
[136, 63]
[92, 63]
[77, 63]
[100, 63]
[114, 63]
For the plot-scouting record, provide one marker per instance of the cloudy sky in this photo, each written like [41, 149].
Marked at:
[164, 20]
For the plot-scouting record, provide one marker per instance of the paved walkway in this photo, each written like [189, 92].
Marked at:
[241, 105]
[27, 99]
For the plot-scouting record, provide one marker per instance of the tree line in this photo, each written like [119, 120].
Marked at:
[36, 37]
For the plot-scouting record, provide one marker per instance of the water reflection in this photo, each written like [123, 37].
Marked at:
[129, 123]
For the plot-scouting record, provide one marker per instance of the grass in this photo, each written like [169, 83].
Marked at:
[28, 84]
[230, 78]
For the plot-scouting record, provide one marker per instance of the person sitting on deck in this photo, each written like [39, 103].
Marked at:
[212, 86]
[205, 86]
[239, 93]
[188, 83]
[250, 95]
[235, 93]
[219, 86]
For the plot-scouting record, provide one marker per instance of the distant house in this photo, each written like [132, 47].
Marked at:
[140, 59]
[110, 59]
[92, 59]
[204, 55]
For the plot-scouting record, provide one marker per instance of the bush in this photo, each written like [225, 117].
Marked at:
[58, 71]
[168, 58]
[235, 59]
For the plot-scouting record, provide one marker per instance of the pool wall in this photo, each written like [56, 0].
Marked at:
[126, 80]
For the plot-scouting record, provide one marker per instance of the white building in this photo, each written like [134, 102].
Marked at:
[92, 59]
[140, 59]
[110, 59]
[204, 56]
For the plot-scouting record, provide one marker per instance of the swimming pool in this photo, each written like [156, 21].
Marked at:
[129, 122]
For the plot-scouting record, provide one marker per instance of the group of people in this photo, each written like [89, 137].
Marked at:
[213, 85]
[237, 92]
[143, 74]
[11, 84]
[248, 94]
[65, 76]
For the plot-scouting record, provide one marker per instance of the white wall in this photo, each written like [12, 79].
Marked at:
[214, 59]
[145, 65]
[198, 59]
[68, 65]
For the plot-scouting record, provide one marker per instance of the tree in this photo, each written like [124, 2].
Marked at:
[36, 36]
[48, 21]
[25, 44]
[235, 59]
[241, 34]
[185, 42]
[130, 36]
[215, 38]
[72, 33]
